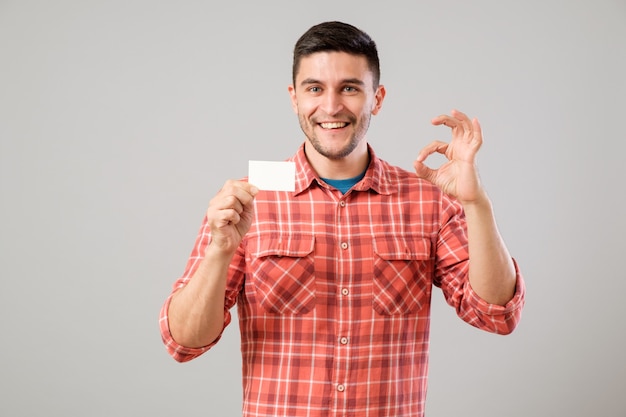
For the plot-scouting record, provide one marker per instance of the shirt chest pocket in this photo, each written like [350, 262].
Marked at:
[402, 281]
[283, 274]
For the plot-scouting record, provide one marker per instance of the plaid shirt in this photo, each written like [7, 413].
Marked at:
[333, 294]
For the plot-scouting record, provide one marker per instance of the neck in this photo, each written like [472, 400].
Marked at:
[338, 169]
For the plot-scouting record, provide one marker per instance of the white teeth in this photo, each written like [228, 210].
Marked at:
[333, 125]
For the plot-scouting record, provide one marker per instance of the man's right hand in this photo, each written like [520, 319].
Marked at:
[230, 214]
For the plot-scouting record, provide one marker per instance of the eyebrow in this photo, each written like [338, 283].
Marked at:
[356, 81]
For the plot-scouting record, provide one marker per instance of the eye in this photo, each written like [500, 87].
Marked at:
[350, 89]
[315, 89]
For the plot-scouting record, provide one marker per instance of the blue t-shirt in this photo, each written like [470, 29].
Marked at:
[344, 185]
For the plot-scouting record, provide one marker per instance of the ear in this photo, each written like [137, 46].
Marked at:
[294, 100]
[378, 99]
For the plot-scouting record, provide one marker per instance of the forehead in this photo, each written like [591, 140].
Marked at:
[334, 67]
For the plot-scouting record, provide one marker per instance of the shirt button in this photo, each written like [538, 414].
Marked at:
[343, 340]
[344, 245]
[345, 291]
[342, 203]
[341, 388]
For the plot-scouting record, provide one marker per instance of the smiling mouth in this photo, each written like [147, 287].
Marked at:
[333, 125]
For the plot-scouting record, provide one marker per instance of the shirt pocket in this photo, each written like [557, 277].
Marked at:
[402, 280]
[283, 273]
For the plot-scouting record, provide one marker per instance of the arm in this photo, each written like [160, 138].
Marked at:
[491, 273]
[196, 311]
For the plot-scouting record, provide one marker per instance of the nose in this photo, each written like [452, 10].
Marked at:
[332, 103]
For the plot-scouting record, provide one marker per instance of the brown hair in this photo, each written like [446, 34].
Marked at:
[338, 37]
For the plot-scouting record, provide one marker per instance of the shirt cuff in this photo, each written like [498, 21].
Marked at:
[515, 303]
[179, 352]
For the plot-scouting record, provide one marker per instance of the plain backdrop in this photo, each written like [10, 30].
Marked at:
[119, 120]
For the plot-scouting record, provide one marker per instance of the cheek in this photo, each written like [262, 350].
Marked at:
[305, 110]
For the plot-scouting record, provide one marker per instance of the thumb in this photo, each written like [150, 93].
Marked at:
[424, 172]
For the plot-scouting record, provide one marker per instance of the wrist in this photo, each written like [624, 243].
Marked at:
[481, 202]
[220, 249]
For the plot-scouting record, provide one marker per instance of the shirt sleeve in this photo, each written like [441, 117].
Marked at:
[179, 352]
[452, 275]
[492, 317]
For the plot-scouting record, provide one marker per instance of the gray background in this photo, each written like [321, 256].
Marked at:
[119, 120]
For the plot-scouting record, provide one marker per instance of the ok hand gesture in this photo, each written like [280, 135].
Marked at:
[458, 176]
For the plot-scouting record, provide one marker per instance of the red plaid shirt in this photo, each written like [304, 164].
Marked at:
[333, 294]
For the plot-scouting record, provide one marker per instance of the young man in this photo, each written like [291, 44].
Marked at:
[333, 281]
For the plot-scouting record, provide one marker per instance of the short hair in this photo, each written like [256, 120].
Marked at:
[339, 37]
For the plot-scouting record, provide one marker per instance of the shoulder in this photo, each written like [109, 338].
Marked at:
[397, 177]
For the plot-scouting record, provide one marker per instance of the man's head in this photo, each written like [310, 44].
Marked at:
[337, 37]
[335, 92]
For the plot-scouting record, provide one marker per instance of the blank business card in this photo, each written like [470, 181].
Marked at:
[272, 175]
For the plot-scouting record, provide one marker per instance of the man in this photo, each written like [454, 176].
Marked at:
[333, 281]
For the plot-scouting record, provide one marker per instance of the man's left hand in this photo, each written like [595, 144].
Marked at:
[458, 176]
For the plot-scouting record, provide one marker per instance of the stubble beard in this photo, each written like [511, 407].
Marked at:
[357, 135]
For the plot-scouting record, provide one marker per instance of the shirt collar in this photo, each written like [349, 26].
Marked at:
[376, 177]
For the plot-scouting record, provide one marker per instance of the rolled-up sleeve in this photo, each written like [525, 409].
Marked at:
[452, 275]
[179, 352]
[493, 317]
[183, 353]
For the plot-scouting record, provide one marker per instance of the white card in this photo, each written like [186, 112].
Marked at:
[272, 175]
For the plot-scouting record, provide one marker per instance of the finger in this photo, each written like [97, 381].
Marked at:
[433, 147]
[241, 190]
[424, 172]
[228, 202]
[226, 199]
[446, 120]
[226, 217]
[478, 131]
[476, 126]
[463, 119]
[459, 115]
[244, 185]
[225, 208]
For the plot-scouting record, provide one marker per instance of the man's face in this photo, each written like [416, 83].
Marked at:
[334, 99]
